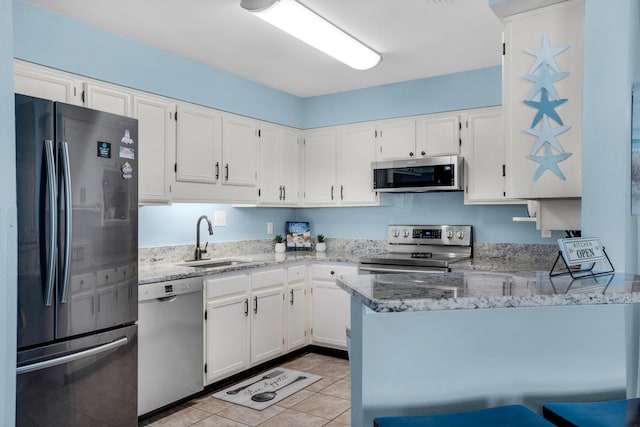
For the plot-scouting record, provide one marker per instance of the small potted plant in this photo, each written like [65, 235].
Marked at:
[279, 243]
[321, 245]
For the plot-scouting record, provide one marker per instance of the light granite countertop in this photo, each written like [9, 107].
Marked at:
[479, 289]
[174, 270]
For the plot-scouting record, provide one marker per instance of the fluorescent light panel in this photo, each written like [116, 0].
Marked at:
[302, 23]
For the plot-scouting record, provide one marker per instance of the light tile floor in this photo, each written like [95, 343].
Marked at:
[323, 403]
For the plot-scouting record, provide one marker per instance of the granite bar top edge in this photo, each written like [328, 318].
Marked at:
[626, 290]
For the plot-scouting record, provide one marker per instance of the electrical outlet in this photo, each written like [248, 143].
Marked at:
[546, 233]
[219, 218]
[269, 228]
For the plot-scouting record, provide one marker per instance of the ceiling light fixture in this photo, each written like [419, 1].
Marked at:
[304, 24]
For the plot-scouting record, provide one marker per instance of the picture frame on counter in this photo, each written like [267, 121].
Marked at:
[298, 235]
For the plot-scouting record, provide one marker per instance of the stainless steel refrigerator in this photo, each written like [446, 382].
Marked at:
[77, 265]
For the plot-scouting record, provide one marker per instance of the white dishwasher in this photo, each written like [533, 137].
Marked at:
[170, 342]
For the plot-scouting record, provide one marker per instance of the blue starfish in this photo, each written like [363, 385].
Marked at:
[544, 80]
[545, 107]
[546, 55]
[547, 135]
[549, 161]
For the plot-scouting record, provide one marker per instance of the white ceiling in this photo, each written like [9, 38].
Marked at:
[417, 38]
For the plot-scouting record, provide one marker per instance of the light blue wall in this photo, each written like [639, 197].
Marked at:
[50, 39]
[176, 224]
[458, 91]
[612, 64]
[491, 224]
[8, 221]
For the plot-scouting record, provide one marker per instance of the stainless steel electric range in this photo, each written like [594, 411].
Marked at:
[421, 249]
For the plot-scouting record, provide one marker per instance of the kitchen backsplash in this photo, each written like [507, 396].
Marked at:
[523, 252]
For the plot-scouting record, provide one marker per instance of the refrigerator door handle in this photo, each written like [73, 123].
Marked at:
[72, 357]
[68, 219]
[52, 191]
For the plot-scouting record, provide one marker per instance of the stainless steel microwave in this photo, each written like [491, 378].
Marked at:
[441, 173]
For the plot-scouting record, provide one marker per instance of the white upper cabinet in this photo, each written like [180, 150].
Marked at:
[198, 144]
[543, 67]
[108, 98]
[279, 165]
[157, 143]
[337, 166]
[396, 139]
[356, 152]
[41, 82]
[438, 135]
[483, 148]
[239, 151]
[320, 147]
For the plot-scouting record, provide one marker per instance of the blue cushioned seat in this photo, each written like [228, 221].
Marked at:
[503, 416]
[612, 413]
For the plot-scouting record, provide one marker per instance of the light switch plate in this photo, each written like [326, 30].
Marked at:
[269, 228]
[219, 218]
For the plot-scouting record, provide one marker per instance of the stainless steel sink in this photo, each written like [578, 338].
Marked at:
[212, 263]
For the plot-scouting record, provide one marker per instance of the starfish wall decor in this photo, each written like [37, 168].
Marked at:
[544, 73]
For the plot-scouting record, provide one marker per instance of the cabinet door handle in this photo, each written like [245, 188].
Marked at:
[284, 193]
[411, 154]
[332, 192]
[255, 305]
[226, 172]
[423, 153]
[217, 170]
[342, 192]
[246, 307]
[291, 301]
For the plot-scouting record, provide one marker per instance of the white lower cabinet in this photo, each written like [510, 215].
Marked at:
[296, 307]
[226, 325]
[253, 317]
[267, 314]
[331, 306]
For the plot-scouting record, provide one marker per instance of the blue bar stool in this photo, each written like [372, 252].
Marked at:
[612, 413]
[503, 416]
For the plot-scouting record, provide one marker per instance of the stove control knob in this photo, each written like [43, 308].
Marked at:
[406, 233]
[395, 233]
[460, 234]
[449, 234]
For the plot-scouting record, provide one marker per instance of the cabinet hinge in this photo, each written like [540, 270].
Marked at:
[311, 331]
[282, 341]
[205, 368]
[466, 188]
[504, 49]
[467, 124]
[305, 332]
[504, 170]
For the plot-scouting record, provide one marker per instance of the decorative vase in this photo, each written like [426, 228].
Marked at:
[280, 247]
[321, 247]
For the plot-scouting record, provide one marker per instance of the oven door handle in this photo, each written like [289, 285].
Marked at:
[372, 269]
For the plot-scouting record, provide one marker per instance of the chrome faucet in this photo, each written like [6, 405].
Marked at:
[199, 252]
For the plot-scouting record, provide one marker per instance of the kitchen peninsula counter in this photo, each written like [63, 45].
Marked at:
[469, 339]
[477, 289]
